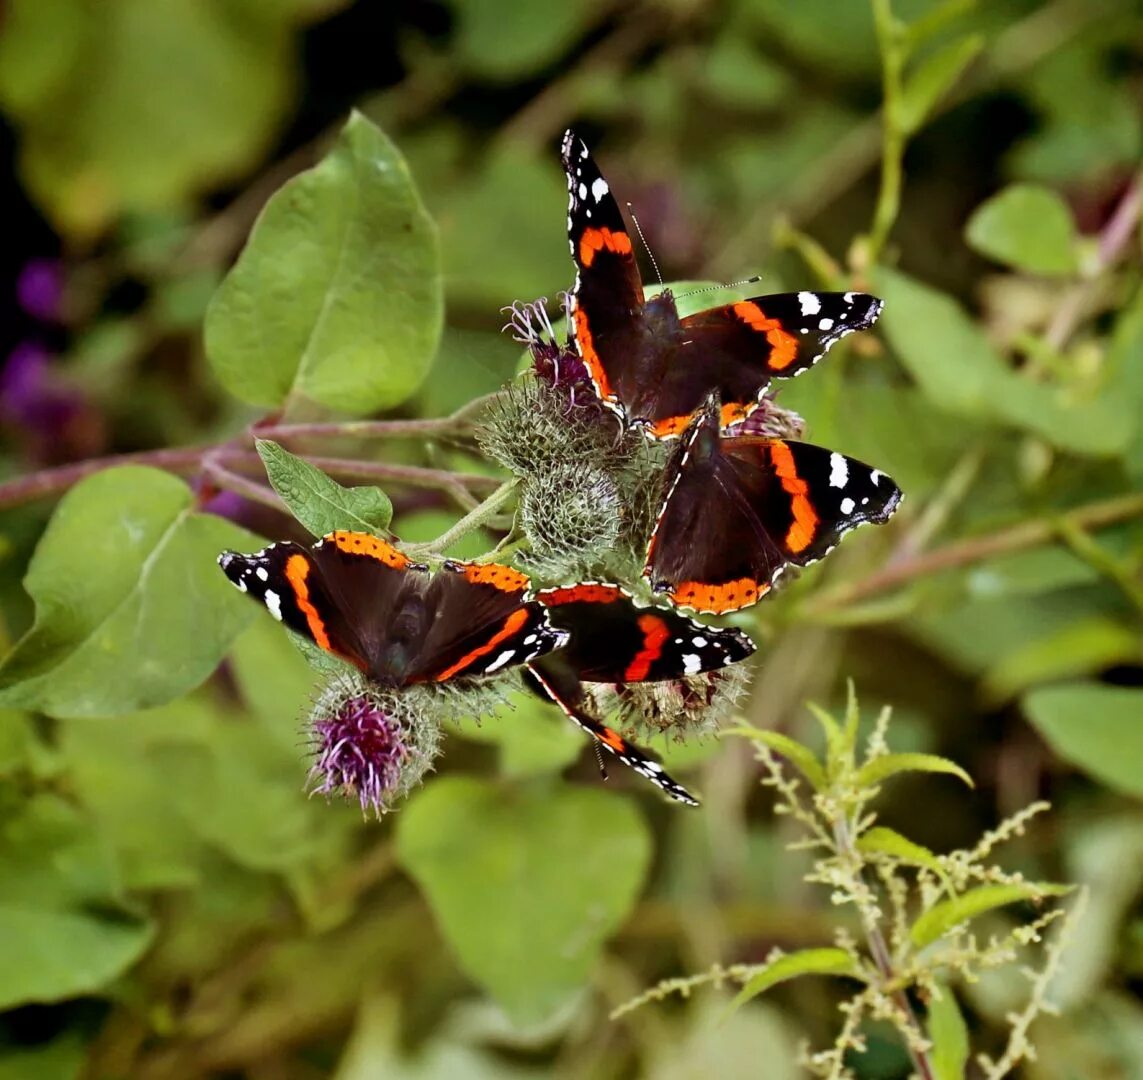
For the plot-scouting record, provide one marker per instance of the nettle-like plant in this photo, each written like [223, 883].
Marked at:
[914, 909]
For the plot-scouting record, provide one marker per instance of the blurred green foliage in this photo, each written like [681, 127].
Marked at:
[170, 903]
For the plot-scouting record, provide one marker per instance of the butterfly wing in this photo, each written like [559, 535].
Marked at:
[607, 300]
[557, 682]
[338, 594]
[611, 640]
[481, 623]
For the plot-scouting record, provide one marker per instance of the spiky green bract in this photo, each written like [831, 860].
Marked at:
[694, 705]
[571, 513]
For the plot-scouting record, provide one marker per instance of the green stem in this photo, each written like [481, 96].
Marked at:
[890, 42]
[477, 516]
[1101, 560]
[976, 549]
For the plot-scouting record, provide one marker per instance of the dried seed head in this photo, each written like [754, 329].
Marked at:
[571, 513]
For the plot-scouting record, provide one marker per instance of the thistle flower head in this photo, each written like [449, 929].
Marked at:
[771, 421]
[370, 743]
[571, 513]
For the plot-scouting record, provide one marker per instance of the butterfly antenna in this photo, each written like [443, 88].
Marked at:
[646, 246]
[599, 759]
[727, 285]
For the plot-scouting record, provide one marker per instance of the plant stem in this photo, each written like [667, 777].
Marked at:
[976, 549]
[892, 48]
[476, 517]
[882, 958]
[241, 485]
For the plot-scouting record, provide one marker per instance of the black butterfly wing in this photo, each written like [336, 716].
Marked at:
[555, 680]
[339, 594]
[709, 551]
[481, 623]
[611, 640]
[735, 350]
[607, 300]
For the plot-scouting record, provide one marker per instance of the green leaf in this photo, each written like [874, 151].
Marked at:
[949, 1036]
[337, 295]
[943, 917]
[58, 888]
[1083, 647]
[494, 866]
[534, 738]
[1026, 227]
[61, 1059]
[960, 372]
[136, 106]
[504, 40]
[322, 505]
[1097, 728]
[801, 757]
[131, 609]
[881, 768]
[932, 79]
[885, 841]
[803, 962]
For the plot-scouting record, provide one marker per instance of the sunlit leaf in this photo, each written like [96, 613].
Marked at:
[881, 768]
[494, 863]
[131, 610]
[1097, 728]
[803, 962]
[948, 914]
[949, 1037]
[801, 757]
[322, 505]
[1027, 227]
[337, 295]
[933, 78]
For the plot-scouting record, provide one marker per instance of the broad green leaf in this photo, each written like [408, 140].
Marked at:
[1125, 373]
[949, 1037]
[337, 295]
[943, 917]
[137, 106]
[17, 741]
[1097, 728]
[504, 40]
[131, 609]
[322, 505]
[830, 961]
[933, 78]
[534, 738]
[887, 841]
[801, 757]
[58, 890]
[881, 768]
[1026, 227]
[960, 372]
[1084, 647]
[494, 865]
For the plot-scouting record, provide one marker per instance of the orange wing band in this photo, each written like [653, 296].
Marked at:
[717, 599]
[359, 543]
[655, 633]
[806, 520]
[513, 623]
[784, 344]
[589, 593]
[594, 241]
[297, 571]
[499, 577]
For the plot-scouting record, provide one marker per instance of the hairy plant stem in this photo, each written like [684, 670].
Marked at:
[1027, 534]
[891, 44]
[477, 516]
[882, 958]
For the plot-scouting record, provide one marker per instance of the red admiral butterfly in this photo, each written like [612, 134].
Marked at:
[611, 640]
[739, 510]
[360, 599]
[656, 369]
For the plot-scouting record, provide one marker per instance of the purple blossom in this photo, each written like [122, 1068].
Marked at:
[39, 289]
[31, 395]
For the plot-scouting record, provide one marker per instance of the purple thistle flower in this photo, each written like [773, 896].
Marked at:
[370, 744]
[39, 289]
[556, 365]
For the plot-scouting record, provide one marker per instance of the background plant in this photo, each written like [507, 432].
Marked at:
[975, 165]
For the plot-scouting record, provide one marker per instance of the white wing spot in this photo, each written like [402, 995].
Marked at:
[847, 506]
[838, 470]
[692, 663]
[273, 604]
[599, 188]
[825, 324]
[698, 642]
[263, 573]
[500, 661]
[583, 190]
[848, 297]
[810, 302]
[875, 477]
[865, 501]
